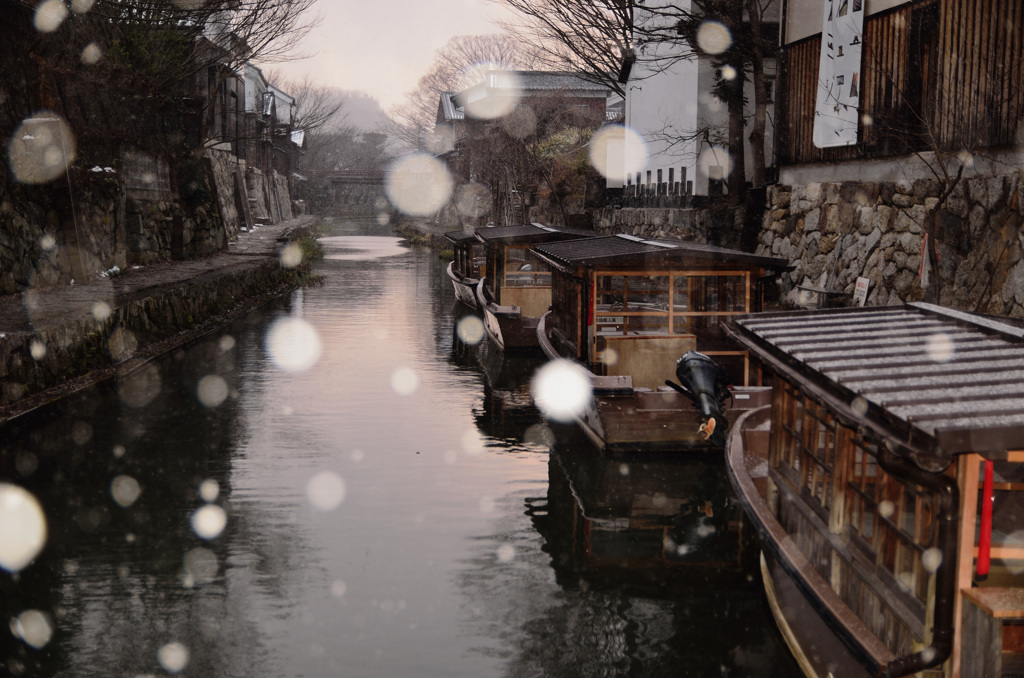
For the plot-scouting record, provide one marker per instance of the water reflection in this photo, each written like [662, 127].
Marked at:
[506, 411]
[652, 573]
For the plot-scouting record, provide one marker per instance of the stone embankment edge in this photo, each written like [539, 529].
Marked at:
[421, 233]
[160, 319]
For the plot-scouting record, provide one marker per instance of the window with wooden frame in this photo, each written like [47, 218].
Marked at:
[787, 412]
[632, 304]
[806, 452]
[892, 522]
[523, 268]
[652, 303]
[668, 303]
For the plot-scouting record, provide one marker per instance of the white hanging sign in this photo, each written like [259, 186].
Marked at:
[837, 110]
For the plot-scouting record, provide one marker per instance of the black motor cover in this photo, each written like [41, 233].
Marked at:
[705, 382]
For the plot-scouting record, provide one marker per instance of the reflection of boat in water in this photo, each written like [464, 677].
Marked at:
[647, 520]
[507, 410]
[868, 481]
[517, 287]
[628, 309]
[662, 542]
[467, 265]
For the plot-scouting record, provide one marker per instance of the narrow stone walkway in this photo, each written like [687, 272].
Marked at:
[36, 310]
[58, 339]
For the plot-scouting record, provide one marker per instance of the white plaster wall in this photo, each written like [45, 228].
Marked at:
[659, 101]
[804, 17]
[679, 99]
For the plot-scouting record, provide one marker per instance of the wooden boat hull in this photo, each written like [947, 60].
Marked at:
[465, 287]
[623, 419]
[824, 635]
[506, 325]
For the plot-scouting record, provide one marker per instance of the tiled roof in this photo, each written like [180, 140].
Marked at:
[542, 80]
[939, 382]
[529, 233]
[625, 249]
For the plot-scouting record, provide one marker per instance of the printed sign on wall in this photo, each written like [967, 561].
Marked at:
[836, 113]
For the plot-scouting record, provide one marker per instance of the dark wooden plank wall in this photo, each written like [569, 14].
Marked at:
[948, 70]
[873, 610]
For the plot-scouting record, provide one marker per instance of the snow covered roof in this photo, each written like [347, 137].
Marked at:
[626, 250]
[933, 380]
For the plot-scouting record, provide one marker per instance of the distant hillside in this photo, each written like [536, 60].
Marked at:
[362, 111]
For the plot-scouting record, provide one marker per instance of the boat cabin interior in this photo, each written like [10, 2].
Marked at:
[628, 306]
[895, 447]
[468, 253]
[518, 277]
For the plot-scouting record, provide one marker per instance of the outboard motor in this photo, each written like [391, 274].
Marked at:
[705, 382]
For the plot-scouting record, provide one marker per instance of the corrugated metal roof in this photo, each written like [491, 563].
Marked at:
[529, 233]
[461, 236]
[939, 381]
[625, 250]
[449, 109]
[542, 80]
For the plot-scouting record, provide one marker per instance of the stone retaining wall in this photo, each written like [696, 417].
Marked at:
[834, 233]
[653, 222]
[32, 361]
[85, 224]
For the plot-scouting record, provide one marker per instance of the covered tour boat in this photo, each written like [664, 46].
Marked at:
[886, 480]
[467, 266]
[517, 288]
[629, 310]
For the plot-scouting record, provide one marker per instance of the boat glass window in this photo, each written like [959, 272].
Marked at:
[1007, 536]
[632, 304]
[789, 423]
[523, 268]
[806, 451]
[701, 303]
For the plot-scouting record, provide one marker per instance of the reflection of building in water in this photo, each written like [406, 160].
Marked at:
[115, 567]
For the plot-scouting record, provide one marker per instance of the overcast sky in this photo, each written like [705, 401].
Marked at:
[382, 47]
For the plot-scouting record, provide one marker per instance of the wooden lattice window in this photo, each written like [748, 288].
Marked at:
[806, 447]
[893, 522]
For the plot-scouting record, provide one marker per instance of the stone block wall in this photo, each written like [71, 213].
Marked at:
[272, 200]
[834, 233]
[82, 225]
[663, 223]
[50, 234]
[82, 343]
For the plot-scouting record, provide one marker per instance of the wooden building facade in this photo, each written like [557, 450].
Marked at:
[937, 75]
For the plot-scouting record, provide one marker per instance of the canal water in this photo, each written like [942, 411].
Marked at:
[339, 485]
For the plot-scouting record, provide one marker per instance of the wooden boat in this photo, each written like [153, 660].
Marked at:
[467, 266]
[888, 549]
[628, 309]
[518, 288]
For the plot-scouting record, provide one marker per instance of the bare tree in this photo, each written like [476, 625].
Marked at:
[319, 107]
[599, 38]
[588, 37]
[452, 70]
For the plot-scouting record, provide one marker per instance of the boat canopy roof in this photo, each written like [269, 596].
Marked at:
[627, 250]
[461, 237]
[529, 233]
[931, 381]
